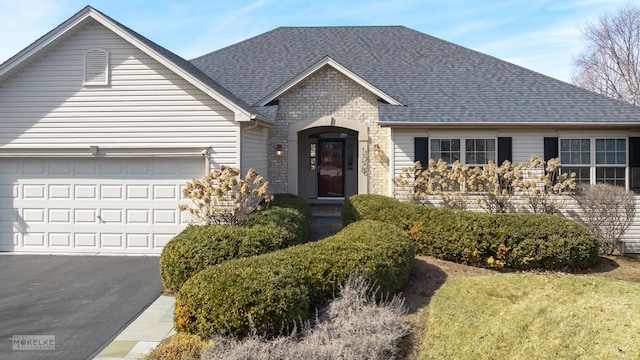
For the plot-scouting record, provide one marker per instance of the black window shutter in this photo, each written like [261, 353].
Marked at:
[421, 150]
[505, 150]
[634, 163]
[634, 151]
[550, 148]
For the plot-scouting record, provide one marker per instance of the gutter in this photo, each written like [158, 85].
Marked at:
[507, 124]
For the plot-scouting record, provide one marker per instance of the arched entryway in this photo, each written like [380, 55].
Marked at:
[327, 163]
[329, 157]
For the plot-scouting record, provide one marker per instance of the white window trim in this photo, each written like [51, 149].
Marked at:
[592, 156]
[463, 147]
[107, 72]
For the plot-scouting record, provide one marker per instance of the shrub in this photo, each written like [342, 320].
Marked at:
[496, 185]
[223, 197]
[232, 297]
[288, 211]
[538, 182]
[449, 183]
[180, 346]
[382, 208]
[544, 187]
[284, 223]
[352, 326]
[291, 201]
[355, 206]
[272, 291]
[519, 241]
[607, 211]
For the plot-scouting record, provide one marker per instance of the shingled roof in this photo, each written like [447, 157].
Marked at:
[435, 80]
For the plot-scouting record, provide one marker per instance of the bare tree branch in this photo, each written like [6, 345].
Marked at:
[610, 64]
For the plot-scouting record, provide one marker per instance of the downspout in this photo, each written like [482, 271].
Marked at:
[255, 123]
[207, 161]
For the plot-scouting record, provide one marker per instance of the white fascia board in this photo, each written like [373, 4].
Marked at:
[327, 60]
[240, 113]
[44, 41]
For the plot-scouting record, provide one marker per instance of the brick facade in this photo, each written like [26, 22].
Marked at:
[328, 92]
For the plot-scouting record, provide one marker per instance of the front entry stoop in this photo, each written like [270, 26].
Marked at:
[325, 221]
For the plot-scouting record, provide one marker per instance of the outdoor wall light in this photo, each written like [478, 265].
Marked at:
[376, 152]
[279, 149]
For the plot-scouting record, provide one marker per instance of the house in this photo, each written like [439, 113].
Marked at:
[100, 127]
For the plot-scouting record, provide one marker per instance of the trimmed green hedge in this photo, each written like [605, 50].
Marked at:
[275, 290]
[359, 207]
[517, 241]
[285, 222]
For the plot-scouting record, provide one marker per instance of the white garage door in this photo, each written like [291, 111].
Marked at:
[92, 205]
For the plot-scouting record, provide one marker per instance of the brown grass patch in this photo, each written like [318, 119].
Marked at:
[428, 274]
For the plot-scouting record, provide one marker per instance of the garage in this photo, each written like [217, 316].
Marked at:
[92, 205]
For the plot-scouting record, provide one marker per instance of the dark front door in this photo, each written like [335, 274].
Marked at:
[331, 168]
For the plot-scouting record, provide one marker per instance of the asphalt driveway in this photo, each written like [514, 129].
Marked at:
[82, 301]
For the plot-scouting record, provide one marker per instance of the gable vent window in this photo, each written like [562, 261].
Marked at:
[96, 67]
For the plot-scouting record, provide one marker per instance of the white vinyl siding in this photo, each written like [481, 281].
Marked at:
[403, 148]
[146, 104]
[632, 237]
[254, 150]
[524, 144]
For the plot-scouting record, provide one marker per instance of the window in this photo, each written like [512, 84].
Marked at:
[583, 174]
[607, 157]
[575, 152]
[96, 67]
[445, 149]
[480, 151]
[611, 152]
[610, 175]
[467, 151]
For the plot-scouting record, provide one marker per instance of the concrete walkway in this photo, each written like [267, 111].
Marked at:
[156, 322]
[144, 333]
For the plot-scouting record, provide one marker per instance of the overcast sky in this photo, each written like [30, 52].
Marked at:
[541, 35]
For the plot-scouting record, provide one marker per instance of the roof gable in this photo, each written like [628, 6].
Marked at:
[183, 68]
[327, 61]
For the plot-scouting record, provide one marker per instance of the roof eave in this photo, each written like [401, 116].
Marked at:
[45, 40]
[504, 123]
[240, 113]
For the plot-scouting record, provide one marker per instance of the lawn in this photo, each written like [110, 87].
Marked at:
[462, 312]
[527, 316]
